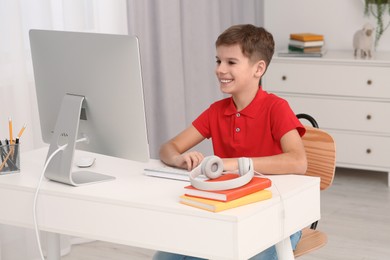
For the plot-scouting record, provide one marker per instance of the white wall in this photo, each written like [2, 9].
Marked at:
[337, 20]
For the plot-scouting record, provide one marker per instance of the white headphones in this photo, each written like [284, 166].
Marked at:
[212, 167]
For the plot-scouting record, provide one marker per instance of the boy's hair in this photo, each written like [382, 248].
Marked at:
[256, 43]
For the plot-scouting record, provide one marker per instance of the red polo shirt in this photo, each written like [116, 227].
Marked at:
[253, 132]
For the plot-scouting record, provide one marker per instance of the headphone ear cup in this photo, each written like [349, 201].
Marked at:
[243, 165]
[212, 167]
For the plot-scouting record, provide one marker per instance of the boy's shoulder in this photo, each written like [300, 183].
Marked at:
[273, 97]
[269, 96]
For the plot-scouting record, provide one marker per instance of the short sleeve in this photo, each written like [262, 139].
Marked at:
[284, 120]
[202, 123]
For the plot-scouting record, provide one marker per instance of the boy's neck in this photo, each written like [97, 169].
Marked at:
[242, 100]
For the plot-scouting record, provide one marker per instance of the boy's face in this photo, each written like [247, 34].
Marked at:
[235, 72]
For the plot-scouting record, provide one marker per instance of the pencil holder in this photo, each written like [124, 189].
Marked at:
[9, 159]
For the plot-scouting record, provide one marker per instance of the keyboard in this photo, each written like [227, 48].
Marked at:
[168, 172]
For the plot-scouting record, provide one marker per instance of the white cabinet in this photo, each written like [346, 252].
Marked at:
[348, 96]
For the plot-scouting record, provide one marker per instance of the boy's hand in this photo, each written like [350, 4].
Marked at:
[188, 160]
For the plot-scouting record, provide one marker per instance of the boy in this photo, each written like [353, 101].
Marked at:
[251, 123]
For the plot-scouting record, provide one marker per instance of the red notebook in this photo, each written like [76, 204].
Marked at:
[256, 184]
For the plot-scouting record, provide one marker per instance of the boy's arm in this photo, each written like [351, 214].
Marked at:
[174, 152]
[292, 160]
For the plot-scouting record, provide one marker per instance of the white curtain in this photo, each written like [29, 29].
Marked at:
[17, 91]
[178, 57]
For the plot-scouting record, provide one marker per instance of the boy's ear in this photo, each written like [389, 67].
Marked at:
[260, 68]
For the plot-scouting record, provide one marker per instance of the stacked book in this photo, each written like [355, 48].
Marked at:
[215, 201]
[305, 45]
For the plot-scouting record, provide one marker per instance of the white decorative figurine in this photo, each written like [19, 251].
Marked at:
[363, 42]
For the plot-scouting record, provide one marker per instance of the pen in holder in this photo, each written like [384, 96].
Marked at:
[9, 158]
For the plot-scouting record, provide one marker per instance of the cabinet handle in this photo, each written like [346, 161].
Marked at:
[368, 150]
[284, 78]
[369, 82]
[368, 117]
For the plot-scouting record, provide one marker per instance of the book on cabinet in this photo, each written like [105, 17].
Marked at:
[306, 37]
[287, 53]
[304, 45]
[297, 43]
[304, 49]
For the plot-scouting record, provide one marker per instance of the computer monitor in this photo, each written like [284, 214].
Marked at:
[88, 85]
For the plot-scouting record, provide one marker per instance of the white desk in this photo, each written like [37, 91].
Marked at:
[144, 211]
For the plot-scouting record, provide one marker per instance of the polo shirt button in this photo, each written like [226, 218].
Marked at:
[238, 115]
[238, 129]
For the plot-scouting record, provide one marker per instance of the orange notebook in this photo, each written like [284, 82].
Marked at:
[306, 37]
[256, 184]
[216, 206]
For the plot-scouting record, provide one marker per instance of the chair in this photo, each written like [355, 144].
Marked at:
[321, 157]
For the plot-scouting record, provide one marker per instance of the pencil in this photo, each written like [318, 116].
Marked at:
[21, 131]
[10, 130]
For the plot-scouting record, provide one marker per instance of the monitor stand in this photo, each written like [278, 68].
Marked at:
[59, 168]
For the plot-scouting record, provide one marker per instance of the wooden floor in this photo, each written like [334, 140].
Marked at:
[355, 215]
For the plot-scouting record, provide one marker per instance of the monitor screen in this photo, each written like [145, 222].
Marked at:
[105, 70]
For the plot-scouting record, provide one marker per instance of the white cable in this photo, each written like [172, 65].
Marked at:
[282, 222]
[36, 197]
[37, 191]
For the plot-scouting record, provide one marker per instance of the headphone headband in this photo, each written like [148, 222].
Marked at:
[212, 167]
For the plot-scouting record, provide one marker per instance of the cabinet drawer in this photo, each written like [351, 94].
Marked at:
[328, 79]
[344, 114]
[362, 149]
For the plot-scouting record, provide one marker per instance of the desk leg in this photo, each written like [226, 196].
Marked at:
[284, 249]
[53, 246]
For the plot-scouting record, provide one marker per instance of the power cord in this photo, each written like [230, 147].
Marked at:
[36, 197]
[283, 214]
[61, 148]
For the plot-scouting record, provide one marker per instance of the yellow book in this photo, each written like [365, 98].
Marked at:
[216, 206]
[306, 37]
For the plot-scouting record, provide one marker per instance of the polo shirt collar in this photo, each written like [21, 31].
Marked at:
[250, 110]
